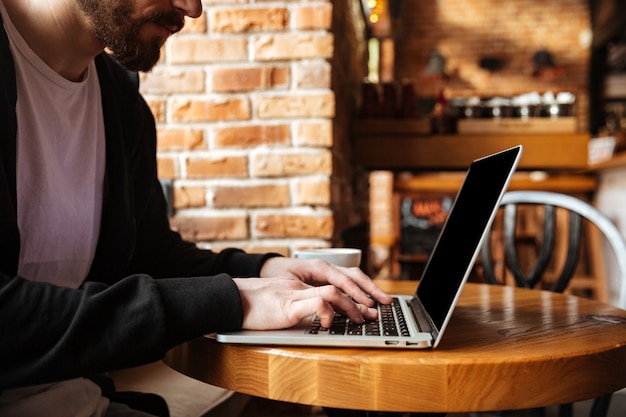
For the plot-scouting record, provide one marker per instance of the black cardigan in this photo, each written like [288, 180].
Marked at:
[147, 289]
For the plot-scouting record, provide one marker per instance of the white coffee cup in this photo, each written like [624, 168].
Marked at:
[348, 257]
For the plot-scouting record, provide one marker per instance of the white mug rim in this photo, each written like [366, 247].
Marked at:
[347, 257]
[329, 250]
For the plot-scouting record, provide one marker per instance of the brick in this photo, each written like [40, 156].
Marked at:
[276, 165]
[189, 197]
[282, 250]
[267, 195]
[157, 107]
[198, 25]
[189, 110]
[293, 46]
[249, 20]
[294, 225]
[222, 2]
[166, 167]
[313, 17]
[251, 136]
[249, 79]
[457, 29]
[314, 192]
[186, 50]
[211, 228]
[255, 247]
[172, 81]
[317, 134]
[313, 75]
[180, 139]
[289, 106]
[217, 167]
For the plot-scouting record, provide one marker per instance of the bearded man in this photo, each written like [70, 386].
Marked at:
[92, 279]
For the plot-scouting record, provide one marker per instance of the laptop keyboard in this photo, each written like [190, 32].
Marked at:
[390, 322]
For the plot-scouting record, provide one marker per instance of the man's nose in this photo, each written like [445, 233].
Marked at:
[191, 8]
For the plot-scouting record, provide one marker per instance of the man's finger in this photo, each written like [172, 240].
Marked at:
[309, 306]
[357, 285]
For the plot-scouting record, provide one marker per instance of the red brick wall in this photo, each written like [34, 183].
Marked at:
[249, 127]
[254, 103]
[512, 30]
[464, 31]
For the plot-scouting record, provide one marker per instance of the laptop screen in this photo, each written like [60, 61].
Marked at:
[459, 241]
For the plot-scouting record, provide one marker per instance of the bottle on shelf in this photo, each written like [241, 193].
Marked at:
[442, 119]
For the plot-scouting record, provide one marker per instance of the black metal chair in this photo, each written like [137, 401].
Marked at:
[534, 276]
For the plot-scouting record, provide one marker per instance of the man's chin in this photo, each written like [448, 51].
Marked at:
[141, 67]
[139, 63]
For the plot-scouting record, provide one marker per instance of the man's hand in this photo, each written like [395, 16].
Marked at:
[296, 288]
[277, 303]
[318, 272]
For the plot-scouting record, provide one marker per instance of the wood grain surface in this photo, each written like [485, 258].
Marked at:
[555, 151]
[505, 348]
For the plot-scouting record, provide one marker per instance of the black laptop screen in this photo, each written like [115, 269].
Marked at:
[458, 243]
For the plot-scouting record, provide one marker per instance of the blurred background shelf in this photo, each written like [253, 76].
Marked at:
[403, 145]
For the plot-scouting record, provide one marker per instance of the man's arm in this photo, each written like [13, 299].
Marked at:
[50, 333]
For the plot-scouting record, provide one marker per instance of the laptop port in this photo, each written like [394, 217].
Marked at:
[392, 342]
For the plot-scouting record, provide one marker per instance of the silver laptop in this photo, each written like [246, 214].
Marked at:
[417, 321]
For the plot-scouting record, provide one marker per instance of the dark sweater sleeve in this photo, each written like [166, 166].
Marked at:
[50, 333]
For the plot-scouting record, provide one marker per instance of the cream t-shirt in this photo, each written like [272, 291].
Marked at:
[60, 167]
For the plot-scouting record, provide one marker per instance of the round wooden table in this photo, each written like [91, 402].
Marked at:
[505, 348]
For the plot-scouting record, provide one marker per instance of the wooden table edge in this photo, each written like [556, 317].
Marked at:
[306, 375]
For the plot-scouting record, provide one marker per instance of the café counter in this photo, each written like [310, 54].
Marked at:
[402, 145]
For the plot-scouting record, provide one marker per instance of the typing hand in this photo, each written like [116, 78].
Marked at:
[317, 272]
[277, 303]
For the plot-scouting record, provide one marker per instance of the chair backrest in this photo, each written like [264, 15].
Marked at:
[577, 209]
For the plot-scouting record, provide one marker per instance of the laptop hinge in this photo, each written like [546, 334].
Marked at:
[424, 322]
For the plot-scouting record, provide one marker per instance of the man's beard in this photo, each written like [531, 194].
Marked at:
[113, 24]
